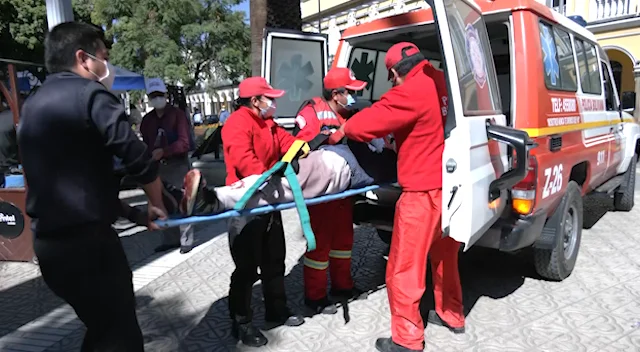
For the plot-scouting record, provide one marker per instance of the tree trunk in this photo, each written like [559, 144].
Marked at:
[282, 14]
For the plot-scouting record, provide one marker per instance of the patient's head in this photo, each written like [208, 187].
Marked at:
[400, 60]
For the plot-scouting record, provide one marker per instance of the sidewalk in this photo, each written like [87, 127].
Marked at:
[183, 304]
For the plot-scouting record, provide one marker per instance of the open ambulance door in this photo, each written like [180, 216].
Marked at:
[297, 63]
[477, 168]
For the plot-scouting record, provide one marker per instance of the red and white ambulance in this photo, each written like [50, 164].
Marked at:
[534, 119]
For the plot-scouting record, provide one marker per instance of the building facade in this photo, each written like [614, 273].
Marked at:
[616, 24]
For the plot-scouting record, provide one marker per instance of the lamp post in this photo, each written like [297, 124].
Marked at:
[58, 11]
[319, 19]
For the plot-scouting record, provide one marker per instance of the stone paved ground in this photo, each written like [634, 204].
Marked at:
[183, 298]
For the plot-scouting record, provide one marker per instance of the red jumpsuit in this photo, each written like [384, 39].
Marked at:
[332, 223]
[417, 125]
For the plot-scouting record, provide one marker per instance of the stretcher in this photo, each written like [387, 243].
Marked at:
[284, 167]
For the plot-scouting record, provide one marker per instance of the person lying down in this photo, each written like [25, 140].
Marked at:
[328, 170]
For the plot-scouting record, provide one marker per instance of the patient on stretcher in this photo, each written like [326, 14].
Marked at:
[330, 169]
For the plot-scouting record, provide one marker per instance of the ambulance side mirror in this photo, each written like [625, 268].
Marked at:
[520, 142]
[628, 101]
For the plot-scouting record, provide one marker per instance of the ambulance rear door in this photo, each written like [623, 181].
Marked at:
[477, 172]
[297, 63]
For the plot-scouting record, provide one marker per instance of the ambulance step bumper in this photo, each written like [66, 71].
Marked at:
[509, 235]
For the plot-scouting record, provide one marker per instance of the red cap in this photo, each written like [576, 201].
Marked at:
[399, 52]
[254, 86]
[342, 77]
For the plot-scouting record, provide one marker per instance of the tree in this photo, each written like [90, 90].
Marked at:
[178, 40]
[23, 25]
[282, 14]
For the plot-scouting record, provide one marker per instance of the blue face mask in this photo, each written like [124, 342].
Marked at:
[350, 102]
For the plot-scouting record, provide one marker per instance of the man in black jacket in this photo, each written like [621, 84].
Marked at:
[70, 131]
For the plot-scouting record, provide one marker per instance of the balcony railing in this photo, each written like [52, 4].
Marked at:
[612, 9]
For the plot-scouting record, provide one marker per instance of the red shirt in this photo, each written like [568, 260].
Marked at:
[175, 140]
[252, 144]
[412, 113]
[441, 87]
[312, 118]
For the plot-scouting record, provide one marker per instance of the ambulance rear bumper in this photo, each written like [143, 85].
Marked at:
[512, 234]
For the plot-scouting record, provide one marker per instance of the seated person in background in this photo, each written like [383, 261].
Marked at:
[9, 159]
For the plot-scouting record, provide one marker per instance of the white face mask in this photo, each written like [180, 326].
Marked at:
[109, 76]
[269, 110]
[158, 102]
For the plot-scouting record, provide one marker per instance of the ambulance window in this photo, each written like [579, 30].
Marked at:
[363, 65]
[557, 55]
[474, 62]
[582, 66]
[593, 68]
[608, 88]
[589, 68]
[381, 84]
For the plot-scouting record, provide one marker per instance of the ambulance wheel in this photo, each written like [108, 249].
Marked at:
[557, 262]
[385, 236]
[623, 198]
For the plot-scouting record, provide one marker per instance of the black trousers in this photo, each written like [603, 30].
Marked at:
[87, 267]
[257, 242]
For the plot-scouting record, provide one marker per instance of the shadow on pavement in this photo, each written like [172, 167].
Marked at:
[484, 273]
[595, 206]
[32, 299]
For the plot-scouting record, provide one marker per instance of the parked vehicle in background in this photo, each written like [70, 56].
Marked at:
[534, 121]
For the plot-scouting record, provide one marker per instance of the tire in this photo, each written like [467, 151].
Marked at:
[385, 236]
[557, 263]
[623, 199]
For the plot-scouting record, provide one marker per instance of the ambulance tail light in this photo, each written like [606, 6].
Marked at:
[523, 194]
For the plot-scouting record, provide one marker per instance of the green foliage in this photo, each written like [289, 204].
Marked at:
[178, 40]
[23, 24]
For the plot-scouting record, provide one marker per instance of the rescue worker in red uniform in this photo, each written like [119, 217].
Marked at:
[412, 112]
[334, 238]
[253, 143]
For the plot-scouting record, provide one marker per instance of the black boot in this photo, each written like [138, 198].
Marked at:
[387, 345]
[247, 333]
[352, 294]
[434, 318]
[321, 306]
[286, 318]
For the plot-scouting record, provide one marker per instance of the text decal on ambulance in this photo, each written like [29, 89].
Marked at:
[553, 180]
[563, 106]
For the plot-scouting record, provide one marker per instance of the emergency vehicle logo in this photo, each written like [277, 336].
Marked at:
[362, 69]
[293, 77]
[550, 59]
[476, 55]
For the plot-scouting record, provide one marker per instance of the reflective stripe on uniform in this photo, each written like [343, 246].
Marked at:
[314, 264]
[326, 115]
[337, 254]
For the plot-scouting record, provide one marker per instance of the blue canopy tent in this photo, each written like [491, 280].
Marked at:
[127, 80]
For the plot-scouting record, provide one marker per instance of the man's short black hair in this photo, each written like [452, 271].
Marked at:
[327, 94]
[406, 65]
[65, 39]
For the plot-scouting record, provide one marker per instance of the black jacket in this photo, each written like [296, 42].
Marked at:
[8, 143]
[69, 132]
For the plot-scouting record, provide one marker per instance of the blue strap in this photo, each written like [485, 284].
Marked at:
[303, 212]
[254, 188]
